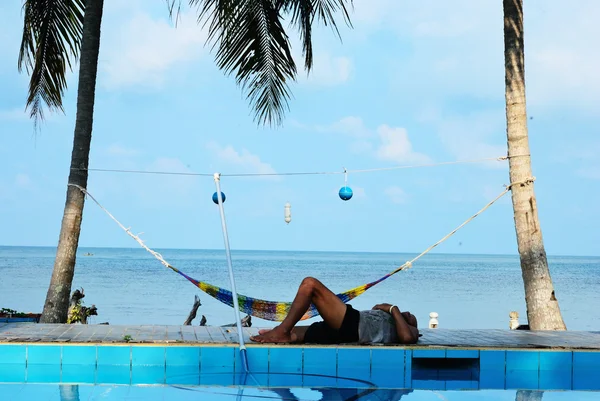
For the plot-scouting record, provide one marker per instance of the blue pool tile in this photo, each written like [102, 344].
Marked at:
[346, 382]
[258, 360]
[145, 393]
[556, 360]
[429, 384]
[78, 374]
[147, 374]
[188, 374]
[217, 379]
[113, 374]
[285, 360]
[317, 380]
[79, 355]
[114, 355]
[285, 379]
[253, 379]
[387, 359]
[492, 379]
[147, 356]
[586, 360]
[556, 380]
[12, 373]
[39, 392]
[184, 393]
[110, 392]
[387, 367]
[522, 379]
[429, 353]
[492, 360]
[183, 356]
[13, 354]
[217, 360]
[43, 373]
[462, 353]
[522, 360]
[10, 391]
[462, 385]
[407, 367]
[354, 362]
[586, 370]
[320, 361]
[43, 354]
[387, 379]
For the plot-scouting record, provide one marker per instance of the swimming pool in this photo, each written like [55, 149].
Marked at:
[34, 371]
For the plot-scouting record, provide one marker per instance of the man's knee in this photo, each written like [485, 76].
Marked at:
[310, 284]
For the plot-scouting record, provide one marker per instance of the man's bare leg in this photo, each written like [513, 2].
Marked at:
[311, 291]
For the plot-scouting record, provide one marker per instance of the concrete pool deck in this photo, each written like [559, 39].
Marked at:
[154, 354]
[205, 335]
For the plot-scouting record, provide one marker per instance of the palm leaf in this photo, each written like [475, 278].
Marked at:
[52, 31]
[252, 44]
[303, 14]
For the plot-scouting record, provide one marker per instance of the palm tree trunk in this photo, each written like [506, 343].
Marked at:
[57, 298]
[543, 312]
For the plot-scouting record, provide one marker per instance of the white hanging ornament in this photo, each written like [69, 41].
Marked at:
[288, 212]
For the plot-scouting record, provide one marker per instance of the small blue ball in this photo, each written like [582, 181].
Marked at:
[345, 193]
[216, 198]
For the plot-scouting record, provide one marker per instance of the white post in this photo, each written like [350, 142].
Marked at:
[433, 321]
[236, 307]
[514, 320]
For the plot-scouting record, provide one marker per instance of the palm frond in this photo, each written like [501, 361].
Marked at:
[52, 31]
[252, 44]
[303, 13]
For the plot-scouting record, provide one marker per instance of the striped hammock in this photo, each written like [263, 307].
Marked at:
[272, 310]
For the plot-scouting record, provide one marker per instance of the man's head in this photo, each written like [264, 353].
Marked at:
[410, 319]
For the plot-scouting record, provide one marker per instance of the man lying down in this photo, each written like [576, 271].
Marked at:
[384, 324]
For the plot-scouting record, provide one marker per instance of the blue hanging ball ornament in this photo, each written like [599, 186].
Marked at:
[216, 198]
[345, 193]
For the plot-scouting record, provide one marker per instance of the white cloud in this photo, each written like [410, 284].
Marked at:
[470, 137]
[396, 147]
[385, 143]
[396, 194]
[327, 70]
[246, 161]
[351, 126]
[457, 49]
[145, 49]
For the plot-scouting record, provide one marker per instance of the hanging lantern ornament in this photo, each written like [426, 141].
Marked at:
[287, 212]
[215, 198]
[345, 192]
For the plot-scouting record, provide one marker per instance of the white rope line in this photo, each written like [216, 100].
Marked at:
[127, 230]
[405, 266]
[344, 171]
[507, 188]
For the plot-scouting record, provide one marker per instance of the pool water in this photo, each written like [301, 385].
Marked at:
[82, 392]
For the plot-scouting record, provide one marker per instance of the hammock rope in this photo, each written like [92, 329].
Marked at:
[276, 311]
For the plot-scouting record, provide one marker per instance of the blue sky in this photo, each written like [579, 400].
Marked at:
[412, 83]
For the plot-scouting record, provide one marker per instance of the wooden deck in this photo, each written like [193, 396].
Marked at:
[444, 338]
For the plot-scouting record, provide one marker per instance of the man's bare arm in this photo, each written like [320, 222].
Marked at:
[407, 334]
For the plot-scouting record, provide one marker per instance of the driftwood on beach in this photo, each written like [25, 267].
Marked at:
[246, 322]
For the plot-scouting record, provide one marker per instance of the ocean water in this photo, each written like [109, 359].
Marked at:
[128, 286]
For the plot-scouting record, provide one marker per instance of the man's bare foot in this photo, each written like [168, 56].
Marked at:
[276, 335]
